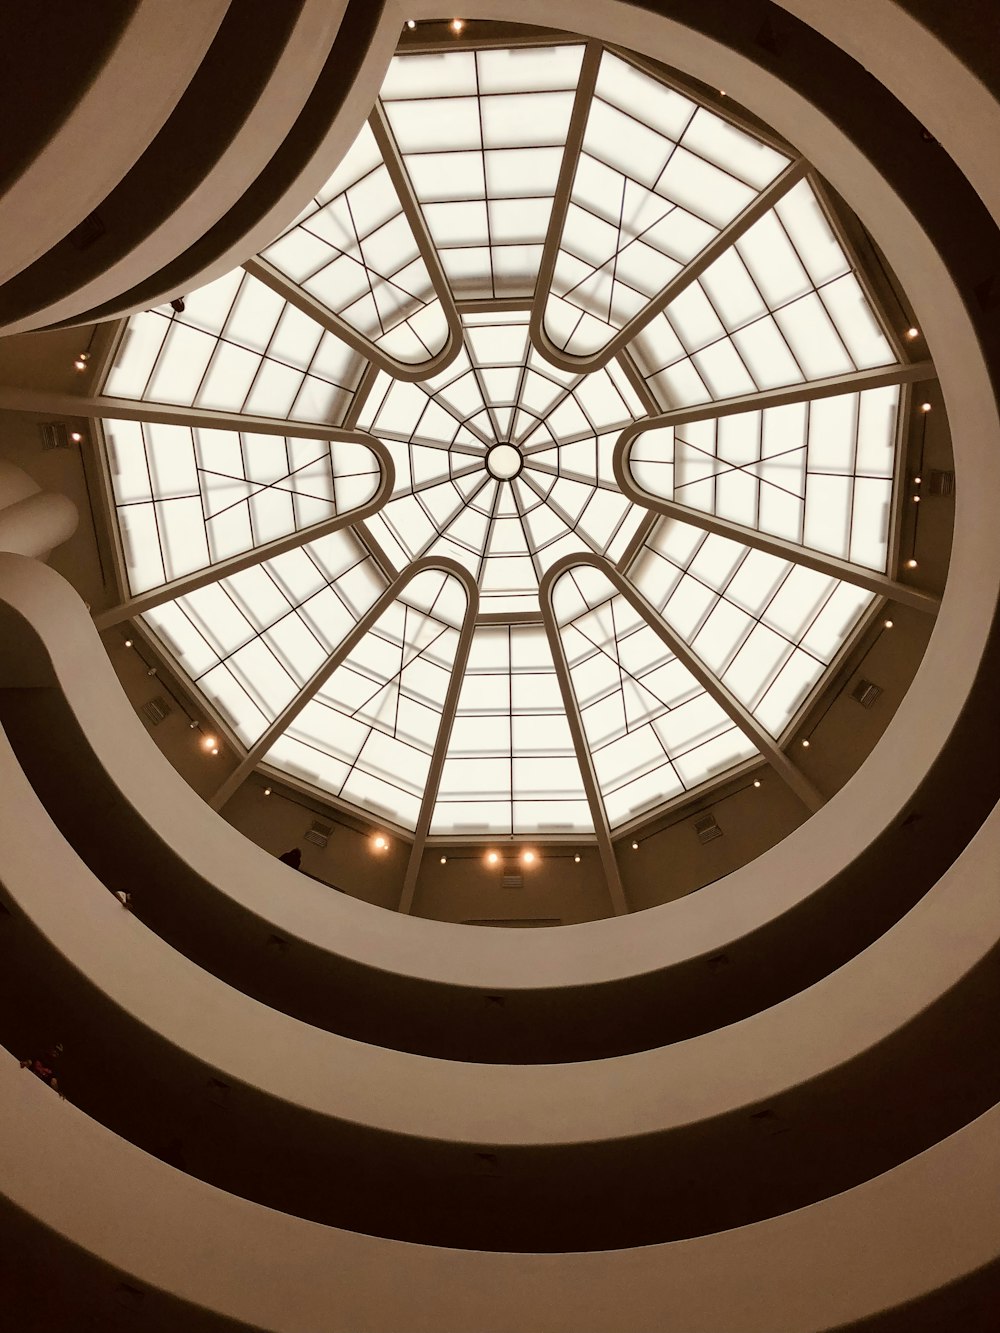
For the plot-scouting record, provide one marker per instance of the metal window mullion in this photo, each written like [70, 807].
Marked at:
[584, 757]
[740, 716]
[432, 784]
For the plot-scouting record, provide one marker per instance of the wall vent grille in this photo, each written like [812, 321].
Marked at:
[939, 482]
[513, 881]
[319, 833]
[707, 829]
[54, 434]
[866, 693]
[155, 710]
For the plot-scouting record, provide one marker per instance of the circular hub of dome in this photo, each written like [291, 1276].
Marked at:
[504, 462]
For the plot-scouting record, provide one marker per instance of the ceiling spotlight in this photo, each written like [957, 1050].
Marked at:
[209, 742]
[912, 333]
[192, 723]
[756, 782]
[492, 858]
[380, 843]
[911, 564]
[75, 436]
[577, 859]
[151, 671]
[215, 749]
[528, 858]
[805, 743]
[80, 361]
[887, 624]
[177, 305]
[457, 25]
[635, 847]
[916, 499]
[925, 407]
[444, 859]
[267, 791]
[411, 24]
[917, 481]
[128, 644]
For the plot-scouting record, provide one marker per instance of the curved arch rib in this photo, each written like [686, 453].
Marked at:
[319, 678]
[195, 417]
[730, 705]
[831, 565]
[441, 742]
[585, 759]
[309, 305]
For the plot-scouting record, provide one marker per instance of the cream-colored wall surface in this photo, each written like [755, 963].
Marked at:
[133, 93]
[857, 1255]
[60, 471]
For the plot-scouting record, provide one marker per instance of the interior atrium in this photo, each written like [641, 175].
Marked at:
[538, 482]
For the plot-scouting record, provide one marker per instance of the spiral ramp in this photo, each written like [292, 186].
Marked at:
[292, 1111]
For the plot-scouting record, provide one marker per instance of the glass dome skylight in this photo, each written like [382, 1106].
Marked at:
[536, 474]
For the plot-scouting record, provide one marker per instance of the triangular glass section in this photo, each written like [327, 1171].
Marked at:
[658, 177]
[354, 250]
[368, 735]
[652, 730]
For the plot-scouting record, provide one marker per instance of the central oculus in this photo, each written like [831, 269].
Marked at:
[504, 462]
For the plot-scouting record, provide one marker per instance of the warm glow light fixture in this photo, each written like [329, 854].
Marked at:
[925, 407]
[528, 858]
[380, 842]
[912, 333]
[457, 25]
[492, 858]
[887, 624]
[911, 564]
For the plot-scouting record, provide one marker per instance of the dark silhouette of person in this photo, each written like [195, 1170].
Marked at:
[292, 858]
[43, 1067]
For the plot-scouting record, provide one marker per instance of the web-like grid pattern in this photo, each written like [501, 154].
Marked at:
[422, 253]
[564, 498]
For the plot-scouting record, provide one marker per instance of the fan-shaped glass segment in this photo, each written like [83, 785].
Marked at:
[818, 473]
[658, 177]
[187, 497]
[482, 135]
[368, 734]
[251, 641]
[236, 347]
[783, 305]
[653, 731]
[766, 627]
[559, 428]
[355, 251]
[511, 766]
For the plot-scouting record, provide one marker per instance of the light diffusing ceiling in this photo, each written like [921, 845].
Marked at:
[537, 473]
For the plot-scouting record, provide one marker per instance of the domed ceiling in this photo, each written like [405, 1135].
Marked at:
[538, 473]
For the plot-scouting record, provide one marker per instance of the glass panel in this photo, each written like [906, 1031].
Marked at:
[796, 472]
[204, 495]
[652, 729]
[477, 128]
[656, 180]
[251, 641]
[511, 766]
[369, 733]
[782, 301]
